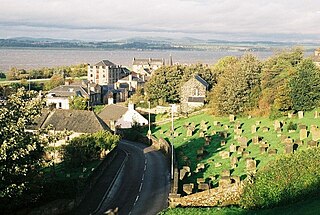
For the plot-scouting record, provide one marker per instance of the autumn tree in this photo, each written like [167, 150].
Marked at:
[78, 103]
[55, 80]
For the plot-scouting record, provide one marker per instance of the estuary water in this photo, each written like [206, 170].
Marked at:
[38, 58]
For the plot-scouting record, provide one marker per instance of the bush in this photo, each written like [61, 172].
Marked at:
[88, 147]
[284, 180]
[292, 126]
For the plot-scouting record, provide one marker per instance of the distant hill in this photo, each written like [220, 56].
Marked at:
[151, 43]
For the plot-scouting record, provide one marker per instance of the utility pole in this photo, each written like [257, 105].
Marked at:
[149, 131]
[172, 148]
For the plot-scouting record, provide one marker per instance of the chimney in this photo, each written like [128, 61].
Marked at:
[131, 106]
[130, 78]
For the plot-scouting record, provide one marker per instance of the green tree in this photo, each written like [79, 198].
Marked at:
[21, 152]
[78, 103]
[237, 88]
[305, 86]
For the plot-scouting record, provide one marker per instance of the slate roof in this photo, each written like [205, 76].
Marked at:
[196, 99]
[112, 112]
[80, 121]
[105, 63]
[201, 80]
[134, 78]
[69, 90]
[39, 120]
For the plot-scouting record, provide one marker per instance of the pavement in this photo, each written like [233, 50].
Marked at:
[141, 185]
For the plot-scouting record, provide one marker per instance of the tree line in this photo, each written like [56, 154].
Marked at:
[286, 81]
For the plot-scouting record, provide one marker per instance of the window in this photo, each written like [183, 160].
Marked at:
[196, 92]
[60, 105]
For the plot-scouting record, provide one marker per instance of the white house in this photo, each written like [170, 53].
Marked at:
[122, 117]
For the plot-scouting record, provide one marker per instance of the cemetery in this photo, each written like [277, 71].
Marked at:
[217, 152]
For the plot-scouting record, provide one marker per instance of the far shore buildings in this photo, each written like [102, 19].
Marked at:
[193, 93]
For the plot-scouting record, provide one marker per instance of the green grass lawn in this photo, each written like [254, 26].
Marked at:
[309, 206]
[186, 147]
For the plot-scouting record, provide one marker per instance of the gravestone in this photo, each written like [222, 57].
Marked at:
[300, 114]
[312, 144]
[183, 173]
[243, 142]
[233, 148]
[255, 140]
[233, 162]
[193, 125]
[216, 123]
[161, 131]
[238, 131]
[272, 151]
[265, 129]
[283, 138]
[303, 134]
[245, 154]
[235, 179]
[251, 165]
[313, 128]
[201, 133]
[288, 141]
[236, 137]
[299, 142]
[288, 149]
[222, 142]
[187, 188]
[315, 134]
[224, 181]
[277, 125]
[237, 124]
[223, 134]
[231, 118]
[290, 115]
[253, 129]
[226, 127]
[258, 123]
[200, 167]
[316, 115]
[225, 172]
[240, 150]
[224, 154]
[203, 186]
[207, 140]
[175, 134]
[217, 165]
[213, 132]
[189, 132]
[263, 149]
[200, 180]
[302, 126]
[186, 124]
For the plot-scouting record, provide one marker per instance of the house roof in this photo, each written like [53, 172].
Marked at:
[69, 90]
[105, 63]
[134, 78]
[81, 121]
[39, 120]
[201, 80]
[112, 112]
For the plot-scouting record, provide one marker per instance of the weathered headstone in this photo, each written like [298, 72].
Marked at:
[200, 180]
[262, 149]
[224, 154]
[203, 186]
[302, 126]
[240, 150]
[265, 129]
[231, 118]
[255, 140]
[222, 142]
[223, 134]
[288, 141]
[213, 132]
[299, 142]
[312, 144]
[245, 154]
[233, 162]
[315, 135]
[225, 172]
[189, 132]
[243, 142]
[316, 115]
[288, 148]
[258, 123]
[224, 181]
[251, 165]
[253, 129]
[303, 134]
[176, 134]
[290, 115]
[207, 140]
[201, 134]
[300, 114]
[200, 167]
[226, 127]
[237, 124]
[216, 123]
[277, 125]
[233, 148]
[217, 165]
[187, 188]
[238, 131]
[272, 151]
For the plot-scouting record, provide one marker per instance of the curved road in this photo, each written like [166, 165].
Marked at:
[142, 186]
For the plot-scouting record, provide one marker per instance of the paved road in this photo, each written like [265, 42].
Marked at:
[143, 184]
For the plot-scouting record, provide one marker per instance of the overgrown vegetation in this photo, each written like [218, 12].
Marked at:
[284, 180]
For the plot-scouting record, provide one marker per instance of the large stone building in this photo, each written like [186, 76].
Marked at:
[106, 73]
[193, 93]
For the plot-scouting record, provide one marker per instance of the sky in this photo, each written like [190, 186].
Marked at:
[235, 20]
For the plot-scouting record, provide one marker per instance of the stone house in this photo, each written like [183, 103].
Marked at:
[121, 117]
[106, 73]
[193, 93]
[131, 82]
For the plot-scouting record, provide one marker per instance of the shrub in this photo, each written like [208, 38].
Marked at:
[88, 147]
[292, 126]
[284, 180]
